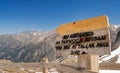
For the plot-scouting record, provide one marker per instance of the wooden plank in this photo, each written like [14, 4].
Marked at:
[84, 25]
[71, 69]
[48, 65]
[66, 68]
[110, 66]
[59, 66]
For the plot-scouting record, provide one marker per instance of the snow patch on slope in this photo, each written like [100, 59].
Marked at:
[116, 26]
[107, 58]
[109, 71]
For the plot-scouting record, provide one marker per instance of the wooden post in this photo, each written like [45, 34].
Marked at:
[45, 70]
[89, 62]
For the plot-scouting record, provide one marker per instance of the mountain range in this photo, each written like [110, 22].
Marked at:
[33, 46]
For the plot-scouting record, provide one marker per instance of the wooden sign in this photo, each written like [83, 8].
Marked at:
[89, 36]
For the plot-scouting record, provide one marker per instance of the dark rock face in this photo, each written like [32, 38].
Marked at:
[116, 44]
[113, 33]
[115, 37]
[32, 46]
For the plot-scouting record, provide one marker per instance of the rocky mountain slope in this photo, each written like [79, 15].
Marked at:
[113, 58]
[29, 46]
[33, 46]
[115, 48]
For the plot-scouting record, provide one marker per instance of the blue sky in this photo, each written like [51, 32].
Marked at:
[43, 15]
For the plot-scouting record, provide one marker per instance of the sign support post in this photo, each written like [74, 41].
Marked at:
[88, 62]
[45, 70]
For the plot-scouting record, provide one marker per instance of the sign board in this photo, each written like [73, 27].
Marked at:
[89, 36]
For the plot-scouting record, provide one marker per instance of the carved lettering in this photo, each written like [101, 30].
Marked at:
[65, 36]
[58, 47]
[78, 41]
[75, 35]
[103, 44]
[58, 42]
[66, 47]
[76, 52]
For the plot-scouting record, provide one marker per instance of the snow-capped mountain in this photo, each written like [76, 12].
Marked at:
[114, 57]
[32, 36]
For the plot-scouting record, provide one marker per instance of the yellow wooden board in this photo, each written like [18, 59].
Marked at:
[83, 25]
[74, 37]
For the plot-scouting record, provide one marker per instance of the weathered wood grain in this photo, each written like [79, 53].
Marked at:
[110, 66]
